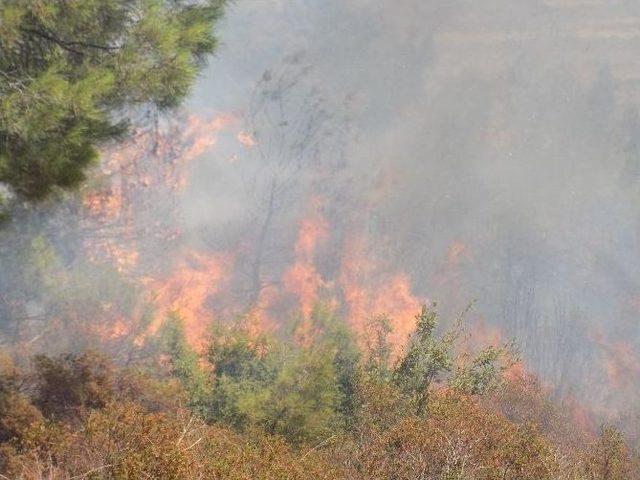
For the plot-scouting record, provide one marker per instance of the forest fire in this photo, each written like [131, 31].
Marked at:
[201, 286]
[195, 280]
[302, 279]
[356, 240]
[201, 133]
[153, 162]
[186, 291]
[105, 204]
[116, 329]
[124, 259]
[389, 294]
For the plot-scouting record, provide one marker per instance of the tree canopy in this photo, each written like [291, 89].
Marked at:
[73, 73]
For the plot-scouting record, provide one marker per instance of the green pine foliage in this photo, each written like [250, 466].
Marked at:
[72, 73]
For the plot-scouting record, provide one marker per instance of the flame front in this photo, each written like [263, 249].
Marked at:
[186, 291]
[153, 165]
[302, 278]
[368, 292]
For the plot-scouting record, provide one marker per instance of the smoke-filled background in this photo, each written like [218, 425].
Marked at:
[376, 155]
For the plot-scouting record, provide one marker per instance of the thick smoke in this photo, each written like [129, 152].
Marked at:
[489, 151]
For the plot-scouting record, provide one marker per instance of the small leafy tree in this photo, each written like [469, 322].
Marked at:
[430, 358]
[185, 363]
[482, 373]
[303, 390]
[378, 348]
[244, 366]
[314, 394]
[426, 359]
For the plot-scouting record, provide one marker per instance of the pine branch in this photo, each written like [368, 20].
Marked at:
[68, 45]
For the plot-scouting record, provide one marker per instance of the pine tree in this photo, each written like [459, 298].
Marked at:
[72, 74]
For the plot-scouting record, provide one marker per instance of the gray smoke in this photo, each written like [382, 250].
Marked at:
[510, 127]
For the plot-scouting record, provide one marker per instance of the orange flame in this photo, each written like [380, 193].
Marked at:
[150, 159]
[201, 133]
[366, 295]
[302, 278]
[113, 330]
[123, 259]
[104, 204]
[187, 290]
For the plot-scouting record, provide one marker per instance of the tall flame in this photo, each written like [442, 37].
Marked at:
[368, 292]
[302, 278]
[152, 162]
[186, 291]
